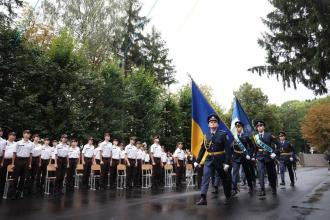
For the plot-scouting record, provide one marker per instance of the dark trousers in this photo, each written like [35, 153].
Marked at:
[33, 173]
[105, 169]
[71, 172]
[113, 173]
[157, 173]
[199, 171]
[268, 166]
[179, 171]
[210, 167]
[288, 165]
[20, 172]
[131, 171]
[138, 174]
[87, 171]
[3, 173]
[60, 173]
[43, 172]
[247, 170]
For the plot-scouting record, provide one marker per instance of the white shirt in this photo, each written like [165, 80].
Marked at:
[88, 151]
[139, 154]
[24, 148]
[46, 152]
[10, 149]
[97, 153]
[147, 158]
[179, 153]
[54, 152]
[156, 149]
[122, 154]
[131, 151]
[2, 145]
[116, 152]
[36, 150]
[74, 152]
[106, 148]
[169, 160]
[62, 150]
[164, 157]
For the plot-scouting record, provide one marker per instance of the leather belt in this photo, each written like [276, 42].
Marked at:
[285, 154]
[215, 153]
[237, 151]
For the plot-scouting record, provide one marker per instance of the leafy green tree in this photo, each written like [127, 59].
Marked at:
[298, 43]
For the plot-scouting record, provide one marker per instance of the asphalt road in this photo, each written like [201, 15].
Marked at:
[309, 199]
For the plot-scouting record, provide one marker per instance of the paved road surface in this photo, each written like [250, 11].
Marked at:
[310, 199]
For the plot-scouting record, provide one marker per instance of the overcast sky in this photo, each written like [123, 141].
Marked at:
[216, 42]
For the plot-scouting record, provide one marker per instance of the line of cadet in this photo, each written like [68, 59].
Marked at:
[31, 158]
[261, 152]
[222, 162]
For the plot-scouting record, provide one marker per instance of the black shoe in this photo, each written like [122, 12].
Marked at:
[215, 191]
[202, 201]
[262, 192]
[250, 190]
[228, 200]
[274, 191]
[292, 184]
[282, 183]
[234, 192]
[243, 183]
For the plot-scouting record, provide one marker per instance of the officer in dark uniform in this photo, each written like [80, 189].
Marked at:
[218, 159]
[286, 157]
[243, 153]
[265, 154]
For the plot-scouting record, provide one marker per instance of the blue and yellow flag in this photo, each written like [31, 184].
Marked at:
[201, 108]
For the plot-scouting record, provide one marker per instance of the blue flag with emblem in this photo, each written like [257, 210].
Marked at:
[240, 115]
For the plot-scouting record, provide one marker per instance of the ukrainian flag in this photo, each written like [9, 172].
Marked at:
[201, 108]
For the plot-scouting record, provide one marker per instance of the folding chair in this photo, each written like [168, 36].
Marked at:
[49, 178]
[190, 176]
[9, 179]
[169, 175]
[78, 175]
[121, 176]
[146, 176]
[95, 175]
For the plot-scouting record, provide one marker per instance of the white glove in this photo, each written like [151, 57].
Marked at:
[196, 164]
[273, 155]
[253, 159]
[226, 167]
[248, 157]
[291, 158]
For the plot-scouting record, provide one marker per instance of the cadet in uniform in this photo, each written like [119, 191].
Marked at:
[122, 154]
[62, 163]
[36, 152]
[219, 153]
[74, 158]
[53, 158]
[266, 157]
[130, 156]
[138, 175]
[115, 159]
[105, 155]
[87, 158]
[243, 153]
[157, 165]
[23, 158]
[45, 157]
[179, 157]
[8, 159]
[287, 155]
